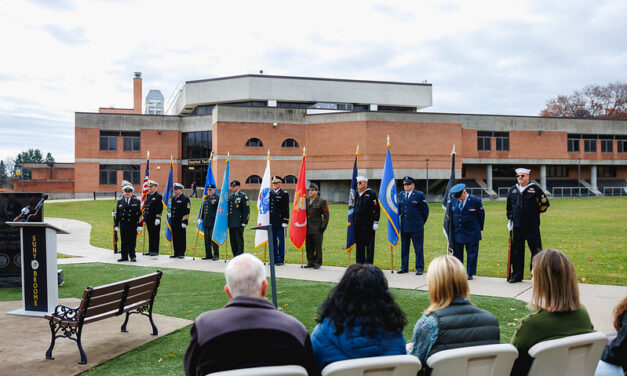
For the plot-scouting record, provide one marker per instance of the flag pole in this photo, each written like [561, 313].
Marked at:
[195, 246]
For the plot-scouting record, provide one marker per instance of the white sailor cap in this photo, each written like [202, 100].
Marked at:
[362, 178]
[523, 171]
[178, 186]
[125, 183]
[152, 182]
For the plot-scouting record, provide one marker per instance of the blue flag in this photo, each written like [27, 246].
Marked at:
[446, 205]
[221, 226]
[388, 199]
[350, 230]
[209, 179]
[167, 203]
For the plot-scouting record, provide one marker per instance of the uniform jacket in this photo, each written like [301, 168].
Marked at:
[239, 209]
[467, 223]
[413, 211]
[209, 209]
[180, 209]
[317, 215]
[366, 210]
[153, 207]
[247, 332]
[351, 344]
[524, 209]
[128, 215]
[279, 208]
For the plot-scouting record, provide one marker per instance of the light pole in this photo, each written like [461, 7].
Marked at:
[579, 177]
[427, 187]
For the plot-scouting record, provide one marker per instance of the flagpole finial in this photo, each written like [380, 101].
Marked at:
[170, 157]
[148, 154]
[357, 151]
[388, 144]
[211, 155]
[304, 150]
[453, 152]
[268, 153]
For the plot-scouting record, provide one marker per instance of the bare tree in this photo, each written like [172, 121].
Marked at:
[593, 102]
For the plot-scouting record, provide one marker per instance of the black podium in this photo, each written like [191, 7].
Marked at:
[40, 292]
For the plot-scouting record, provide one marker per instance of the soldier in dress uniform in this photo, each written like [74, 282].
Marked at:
[239, 210]
[209, 209]
[178, 220]
[279, 218]
[366, 221]
[525, 202]
[413, 212]
[128, 220]
[317, 221]
[152, 217]
[467, 216]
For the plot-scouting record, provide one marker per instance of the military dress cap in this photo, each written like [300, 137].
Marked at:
[457, 189]
[153, 183]
[211, 186]
[128, 188]
[362, 178]
[313, 186]
[408, 180]
[235, 183]
[178, 186]
[125, 183]
[523, 171]
[276, 179]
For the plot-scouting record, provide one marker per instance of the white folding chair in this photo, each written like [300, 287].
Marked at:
[573, 355]
[484, 360]
[392, 365]
[265, 371]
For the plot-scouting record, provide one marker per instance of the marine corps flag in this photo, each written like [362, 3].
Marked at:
[263, 206]
[350, 229]
[388, 199]
[298, 225]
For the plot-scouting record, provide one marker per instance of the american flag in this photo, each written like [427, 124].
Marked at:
[145, 185]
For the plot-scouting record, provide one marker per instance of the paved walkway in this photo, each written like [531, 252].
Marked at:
[599, 300]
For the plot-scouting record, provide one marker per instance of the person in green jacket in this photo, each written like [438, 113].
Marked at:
[555, 298]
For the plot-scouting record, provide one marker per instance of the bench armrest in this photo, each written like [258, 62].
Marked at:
[66, 313]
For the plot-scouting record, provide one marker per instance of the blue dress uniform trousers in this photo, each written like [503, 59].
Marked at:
[278, 233]
[417, 238]
[468, 223]
[472, 249]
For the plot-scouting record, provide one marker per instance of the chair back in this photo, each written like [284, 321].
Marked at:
[265, 371]
[576, 355]
[484, 360]
[391, 365]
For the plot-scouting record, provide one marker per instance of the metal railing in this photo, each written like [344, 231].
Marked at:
[477, 191]
[503, 191]
[105, 195]
[571, 192]
[614, 191]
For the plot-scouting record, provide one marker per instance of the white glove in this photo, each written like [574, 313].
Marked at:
[510, 226]
[139, 229]
[116, 228]
[157, 222]
[375, 226]
[284, 225]
[183, 225]
[199, 221]
[113, 214]
[243, 224]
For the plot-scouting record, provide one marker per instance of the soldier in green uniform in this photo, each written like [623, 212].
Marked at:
[178, 220]
[317, 221]
[209, 209]
[152, 217]
[128, 221]
[239, 210]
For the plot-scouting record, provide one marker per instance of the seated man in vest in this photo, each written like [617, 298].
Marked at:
[249, 331]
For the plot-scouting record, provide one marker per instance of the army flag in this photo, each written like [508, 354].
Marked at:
[263, 206]
[221, 225]
[446, 201]
[209, 179]
[298, 224]
[167, 203]
[388, 199]
[350, 229]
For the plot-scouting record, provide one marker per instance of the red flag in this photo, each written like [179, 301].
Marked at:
[298, 225]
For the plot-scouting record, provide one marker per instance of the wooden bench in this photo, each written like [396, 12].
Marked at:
[136, 295]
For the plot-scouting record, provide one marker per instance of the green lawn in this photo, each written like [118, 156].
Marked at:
[591, 231]
[186, 294]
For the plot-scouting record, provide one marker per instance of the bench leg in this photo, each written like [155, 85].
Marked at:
[53, 332]
[155, 331]
[123, 328]
[80, 347]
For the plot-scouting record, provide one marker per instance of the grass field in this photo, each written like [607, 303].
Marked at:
[591, 231]
[186, 294]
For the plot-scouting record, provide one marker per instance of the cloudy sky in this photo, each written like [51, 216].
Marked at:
[496, 57]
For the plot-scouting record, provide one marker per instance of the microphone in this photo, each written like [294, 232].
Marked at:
[38, 207]
[23, 214]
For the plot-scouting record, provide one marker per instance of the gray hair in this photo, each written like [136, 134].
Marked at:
[244, 275]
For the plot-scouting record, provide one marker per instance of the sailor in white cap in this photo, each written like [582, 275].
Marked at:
[525, 202]
[178, 220]
[366, 218]
[152, 217]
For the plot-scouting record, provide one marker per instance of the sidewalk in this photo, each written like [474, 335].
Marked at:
[599, 300]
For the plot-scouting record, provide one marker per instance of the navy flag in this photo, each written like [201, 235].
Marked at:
[350, 229]
[446, 205]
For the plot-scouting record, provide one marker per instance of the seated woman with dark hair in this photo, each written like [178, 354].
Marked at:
[451, 321]
[358, 319]
[614, 358]
[555, 297]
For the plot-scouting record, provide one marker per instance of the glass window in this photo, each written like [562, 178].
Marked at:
[289, 143]
[606, 146]
[483, 140]
[108, 174]
[621, 144]
[590, 146]
[253, 179]
[197, 144]
[502, 141]
[290, 179]
[254, 143]
[108, 143]
[573, 145]
[557, 171]
[131, 144]
[606, 171]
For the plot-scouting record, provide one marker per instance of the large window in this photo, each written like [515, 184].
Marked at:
[606, 171]
[109, 140]
[502, 141]
[590, 143]
[131, 141]
[197, 144]
[573, 143]
[289, 143]
[108, 174]
[483, 140]
[621, 144]
[253, 179]
[606, 145]
[290, 179]
[254, 143]
[557, 171]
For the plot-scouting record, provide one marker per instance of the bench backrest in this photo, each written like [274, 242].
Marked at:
[116, 298]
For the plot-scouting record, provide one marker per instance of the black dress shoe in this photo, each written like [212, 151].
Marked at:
[206, 258]
[146, 254]
[173, 256]
[122, 259]
[308, 266]
[470, 277]
[401, 271]
[216, 258]
[278, 264]
[154, 254]
[316, 266]
[181, 257]
[511, 280]
[133, 259]
[418, 272]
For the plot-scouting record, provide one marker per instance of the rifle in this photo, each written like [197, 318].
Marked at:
[509, 256]
[115, 234]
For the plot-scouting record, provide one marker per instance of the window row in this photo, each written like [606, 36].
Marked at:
[109, 140]
[257, 143]
[256, 179]
[109, 174]
[590, 143]
[484, 142]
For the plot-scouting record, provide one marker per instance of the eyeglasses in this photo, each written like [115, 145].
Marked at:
[520, 176]
[408, 183]
[312, 190]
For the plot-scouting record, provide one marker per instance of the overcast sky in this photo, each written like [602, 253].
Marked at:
[487, 57]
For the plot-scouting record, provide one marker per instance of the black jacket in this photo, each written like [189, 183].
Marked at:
[209, 209]
[524, 209]
[367, 209]
[153, 207]
[616, 351]
[279, 208]
[128, 215]
[180, 209]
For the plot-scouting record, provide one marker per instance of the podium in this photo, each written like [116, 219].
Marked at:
[40, 292]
